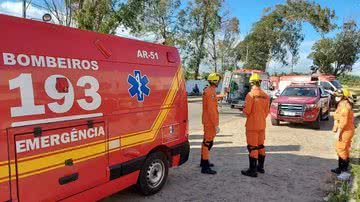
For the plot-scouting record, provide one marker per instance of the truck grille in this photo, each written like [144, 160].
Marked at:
[294, 110]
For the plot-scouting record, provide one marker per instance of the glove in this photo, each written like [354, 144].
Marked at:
[217, 130]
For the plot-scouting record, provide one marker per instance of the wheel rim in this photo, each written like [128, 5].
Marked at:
[155, 173]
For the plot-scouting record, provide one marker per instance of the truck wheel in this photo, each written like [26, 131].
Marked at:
[275, 122]
[316, 123]
[153, 174]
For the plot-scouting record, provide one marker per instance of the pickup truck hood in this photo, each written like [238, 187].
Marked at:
[296, 100]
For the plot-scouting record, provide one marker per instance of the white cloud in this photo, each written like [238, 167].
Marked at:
[15, 9]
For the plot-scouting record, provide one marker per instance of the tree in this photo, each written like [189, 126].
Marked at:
[197, 22]
[223, 50]
[337, 56]
[160, 19]
[323, 56]
[279, 32]
[347, 46]
[62, 10]
[107, 15]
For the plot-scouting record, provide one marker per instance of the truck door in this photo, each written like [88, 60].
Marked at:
[324, 100]
[55, 162]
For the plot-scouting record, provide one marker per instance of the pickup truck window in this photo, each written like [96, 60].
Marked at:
[326, 85]
[298, 91]
[336, 83]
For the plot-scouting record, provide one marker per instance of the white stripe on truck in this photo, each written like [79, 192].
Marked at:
[52, 120]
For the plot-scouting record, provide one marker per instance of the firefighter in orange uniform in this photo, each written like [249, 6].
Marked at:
[256, 110]
[344, 129]
[210, 120]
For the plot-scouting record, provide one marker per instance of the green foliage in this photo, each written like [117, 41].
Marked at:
[160, 19]
[226, 47]
[341, 194]
[197, 21]
[279, 32]
[107, 15]
[349, 80]
[323, 55]
[337, 56]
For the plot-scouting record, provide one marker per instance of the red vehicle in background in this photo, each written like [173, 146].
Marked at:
[301, 103]
[85, 115]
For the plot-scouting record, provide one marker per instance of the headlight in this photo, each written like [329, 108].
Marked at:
[311, 106]
[274, 104]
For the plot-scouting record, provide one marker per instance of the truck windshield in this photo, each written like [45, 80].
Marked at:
[336, 83]
[298, 91]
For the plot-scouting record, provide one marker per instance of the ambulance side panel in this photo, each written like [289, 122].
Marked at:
[82, 110]
[4, 168]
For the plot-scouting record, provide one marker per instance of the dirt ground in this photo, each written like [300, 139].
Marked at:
[297, 167]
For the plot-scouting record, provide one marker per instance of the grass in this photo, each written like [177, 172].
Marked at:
[355, 169]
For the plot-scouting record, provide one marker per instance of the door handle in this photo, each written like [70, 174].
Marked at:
[68, 179]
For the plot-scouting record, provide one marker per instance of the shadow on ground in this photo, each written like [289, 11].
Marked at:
[288, 177]
[325, 125]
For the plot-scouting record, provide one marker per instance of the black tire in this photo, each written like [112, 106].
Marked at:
[316, 124]
[275, 122]
[153, 174]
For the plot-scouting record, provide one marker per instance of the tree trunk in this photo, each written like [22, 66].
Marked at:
[213, 38]
[202, 40]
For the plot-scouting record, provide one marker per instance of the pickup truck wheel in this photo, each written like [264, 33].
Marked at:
[316, 123]
[275, 122]
[153, 174]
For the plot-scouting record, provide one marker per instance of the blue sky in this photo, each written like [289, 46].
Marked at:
[248, 12]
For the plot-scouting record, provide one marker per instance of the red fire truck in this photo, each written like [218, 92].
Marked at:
[84, 115]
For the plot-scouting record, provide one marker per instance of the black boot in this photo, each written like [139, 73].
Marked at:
[260, 166]
[206, 168]
[345, 165]
[202, 163]
[251, 172]
[338, 169]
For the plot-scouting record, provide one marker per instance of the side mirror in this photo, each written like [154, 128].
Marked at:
[277, 94]
[324, 96]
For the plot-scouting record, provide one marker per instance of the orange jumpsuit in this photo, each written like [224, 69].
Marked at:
[256, 110]
[344, 121]
[210, 120]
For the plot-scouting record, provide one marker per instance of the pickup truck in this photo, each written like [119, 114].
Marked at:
[301, 103]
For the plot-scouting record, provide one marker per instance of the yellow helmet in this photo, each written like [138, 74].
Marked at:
[213, 77]
[255, 77]
[346, 92]
[343, 92]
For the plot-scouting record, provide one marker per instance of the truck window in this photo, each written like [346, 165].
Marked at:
[336, 83]
[302, 92]
[327, 86]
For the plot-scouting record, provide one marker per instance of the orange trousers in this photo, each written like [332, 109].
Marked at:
[344, 143]
[255, 140]
[208, 141]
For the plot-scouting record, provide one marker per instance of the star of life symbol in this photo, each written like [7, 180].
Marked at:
[138, 85]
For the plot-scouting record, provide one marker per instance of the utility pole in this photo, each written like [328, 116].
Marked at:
[24, 8]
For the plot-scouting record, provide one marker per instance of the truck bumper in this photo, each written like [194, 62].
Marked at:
[183, 150]
[308, 116]
[238, 105]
